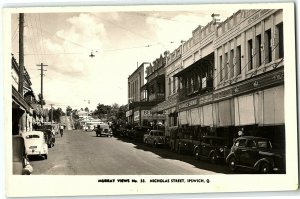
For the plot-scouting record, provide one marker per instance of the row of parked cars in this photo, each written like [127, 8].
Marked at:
[255, 153]
[31, 143]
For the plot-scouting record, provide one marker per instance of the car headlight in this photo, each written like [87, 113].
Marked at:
[221, 149]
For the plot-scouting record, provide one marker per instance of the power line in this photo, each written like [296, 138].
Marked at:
[33, 37]
[15, 33]
[158, 17]
[37, 33]
[43, 45]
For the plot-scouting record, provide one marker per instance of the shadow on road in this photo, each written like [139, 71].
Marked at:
[166, 153]
[36, 158]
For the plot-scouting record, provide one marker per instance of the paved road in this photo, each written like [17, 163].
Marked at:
[82, 153]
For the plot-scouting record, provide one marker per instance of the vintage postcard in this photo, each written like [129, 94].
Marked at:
[156, 99]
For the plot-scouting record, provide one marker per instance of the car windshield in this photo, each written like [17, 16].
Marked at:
[158, 133]
[32, 136]
[264, 144]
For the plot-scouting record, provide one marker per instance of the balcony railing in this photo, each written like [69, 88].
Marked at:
[157, 97]
[188, 92]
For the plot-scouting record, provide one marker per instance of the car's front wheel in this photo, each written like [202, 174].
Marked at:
[213, 158]
[232, 164]
[46, 156]
[264, 168]
[197, 154]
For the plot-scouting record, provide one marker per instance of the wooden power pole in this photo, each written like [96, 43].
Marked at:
[42, 75]
[21, 54]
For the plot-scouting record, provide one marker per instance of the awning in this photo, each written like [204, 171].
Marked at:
[207, 113]
[226, 113]
[273, 106]
[195, 65]
[244, 110]
[18, 99]
[195, 117]
[183, 117]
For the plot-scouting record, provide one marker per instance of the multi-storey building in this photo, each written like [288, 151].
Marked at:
[233, 77]
[169, 106]
[154, 92]
[195, 80]
[22, 110]
[136, 98]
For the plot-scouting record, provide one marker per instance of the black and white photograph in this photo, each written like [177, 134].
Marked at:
[126, 99]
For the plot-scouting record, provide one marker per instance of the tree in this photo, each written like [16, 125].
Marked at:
[69, 110]
[121, 114]
[56, 114]
[86, 109]
[102, 110]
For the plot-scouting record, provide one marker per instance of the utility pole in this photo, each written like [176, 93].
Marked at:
[21, 54]
[42, 75]
[51, 112]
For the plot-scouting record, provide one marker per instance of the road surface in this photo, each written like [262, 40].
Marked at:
[82, 153]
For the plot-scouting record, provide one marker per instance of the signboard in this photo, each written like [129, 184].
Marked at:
[136, 116]
[146, 114]
[128, 113]
[188, 104]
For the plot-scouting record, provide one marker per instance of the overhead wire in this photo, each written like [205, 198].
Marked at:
[36, 58]
[15, 33]
[232, 68]
[37, 34]
[41, 33]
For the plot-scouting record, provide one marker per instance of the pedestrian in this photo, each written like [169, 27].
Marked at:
[241, 132]
[61, 130]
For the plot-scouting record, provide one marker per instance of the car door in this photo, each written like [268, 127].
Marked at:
[251, 152]
[241, 151]
[205, 149]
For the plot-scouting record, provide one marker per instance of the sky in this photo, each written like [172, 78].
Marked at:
[120, 42]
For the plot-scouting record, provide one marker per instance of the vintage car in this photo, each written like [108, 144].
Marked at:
[35, 144]
[49, 137]
[139, 132]
[155, 138]
[103, 130]
[21, 165]
[47, 126]
[212, 148]
[255, 153]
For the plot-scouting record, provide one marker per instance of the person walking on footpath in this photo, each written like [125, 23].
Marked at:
[61, 130]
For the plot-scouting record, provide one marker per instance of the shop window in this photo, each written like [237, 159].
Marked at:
[250, 55]
[238, 60]
[259, 51]
[231, 63]
[170, 85]
[174, 84]
[268, 49]
[221, 67]
[226, 66]
[279, 29]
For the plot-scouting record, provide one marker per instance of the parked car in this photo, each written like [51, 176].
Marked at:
[255, 153]
[155, 138]
[35, 144]
[187, 145]
[212, 148]
[21, 165]
[139, 132]
[49, 137]
[103, 129]
[47, 126]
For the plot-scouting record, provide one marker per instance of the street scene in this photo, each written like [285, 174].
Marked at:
[188, 92]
